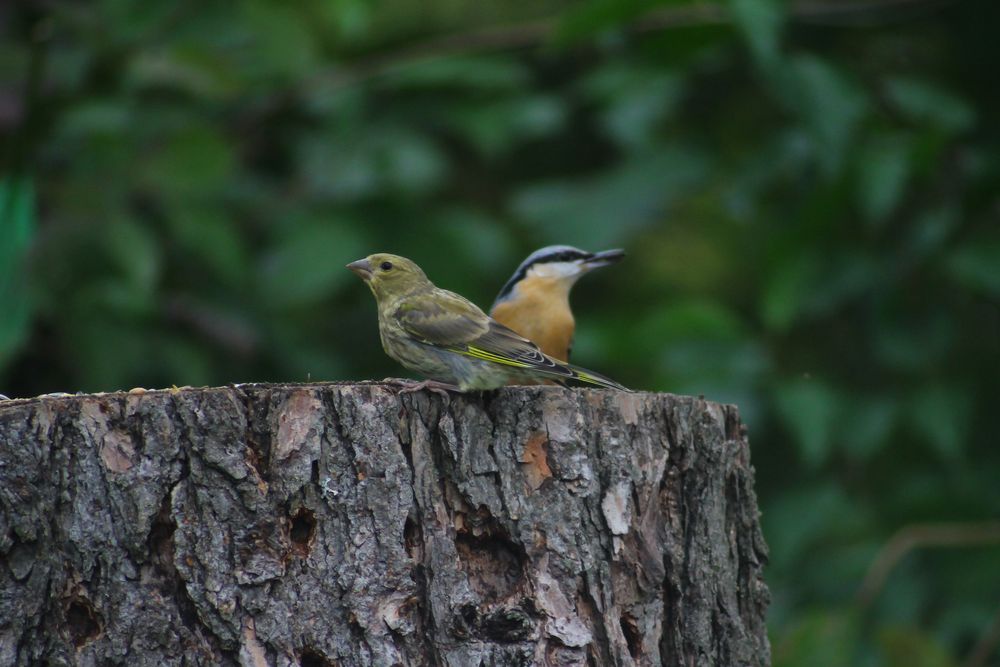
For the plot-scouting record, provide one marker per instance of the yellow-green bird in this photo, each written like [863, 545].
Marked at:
[447, 339]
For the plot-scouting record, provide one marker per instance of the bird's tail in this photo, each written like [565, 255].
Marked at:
[590, 377]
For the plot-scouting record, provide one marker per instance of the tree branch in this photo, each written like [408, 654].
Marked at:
[986, 644]
[537, 32]
[917, 536]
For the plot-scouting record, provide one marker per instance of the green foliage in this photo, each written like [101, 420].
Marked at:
[807, 193]
[17, 227]
[823, 639]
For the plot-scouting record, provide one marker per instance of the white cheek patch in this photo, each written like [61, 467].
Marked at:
[555, 270]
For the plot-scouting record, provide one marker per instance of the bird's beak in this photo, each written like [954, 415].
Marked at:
[604, 258]
[363, 268]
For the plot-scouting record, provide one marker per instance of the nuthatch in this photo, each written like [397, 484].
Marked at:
[448, 339]
[535, 301]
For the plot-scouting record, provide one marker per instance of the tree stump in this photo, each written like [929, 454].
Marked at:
[345, 524]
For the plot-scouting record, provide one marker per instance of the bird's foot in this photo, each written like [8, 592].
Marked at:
[399, 382]
[410, 386]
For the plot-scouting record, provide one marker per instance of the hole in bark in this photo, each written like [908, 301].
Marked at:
[161, 539]
[302, 530]
[630, 628]
[160, 545]
[507, 625]
[413, 537]
[407, 451]
[253, 460]
[467, 621]
[492, 562]
[258, 433]
[82, 621]
[312, 658]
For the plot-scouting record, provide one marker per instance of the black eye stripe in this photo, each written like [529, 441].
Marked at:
[567, 256]
[522, 271]
[385, 266]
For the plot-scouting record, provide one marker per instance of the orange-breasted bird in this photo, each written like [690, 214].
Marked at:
[448, 339]
[535, 301]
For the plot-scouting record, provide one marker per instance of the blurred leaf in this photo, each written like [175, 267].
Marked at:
[480, 73]
[806, 285]
[194, 161]
[976, 265]
[282, 41]
[210, 235]
[17, 229]
[307, 264]
[910, 647]
[788, 288]
[634, 100]
[829, 104]
[867, 425]
[696, 319]
[306, 352]
[109, 117]
[848, 277]
[694, 360]
[820, 639]
[107, 355]
[345, 167]
[410, 163]
[193, 69]
[605, 210]
[928, 231]
[134, 251]
[906, 591]
[807, 517]
[479, 239]
[183, 362]
[760, 22]
[810, 410]
[337, 168]
[499, 126]
[693, 259]
[67, 67]
[923, 102]
[595, 17]
[133, 22]
[725, 371]
[914, 341]
[940, 417]
[351, 18]
[884, 171]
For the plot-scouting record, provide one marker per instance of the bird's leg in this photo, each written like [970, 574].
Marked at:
[399, 382]
[439, 388]
[410, 386]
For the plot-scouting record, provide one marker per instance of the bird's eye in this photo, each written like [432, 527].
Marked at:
[385, 266]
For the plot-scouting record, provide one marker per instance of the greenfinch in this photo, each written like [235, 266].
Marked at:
[535, 301]
[448, 339]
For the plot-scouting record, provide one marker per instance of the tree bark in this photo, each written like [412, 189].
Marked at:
[345, 524]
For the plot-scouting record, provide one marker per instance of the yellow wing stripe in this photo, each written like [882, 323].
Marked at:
[587, 377]
[489, 356]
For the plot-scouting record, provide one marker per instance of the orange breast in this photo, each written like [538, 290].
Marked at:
[540, 312]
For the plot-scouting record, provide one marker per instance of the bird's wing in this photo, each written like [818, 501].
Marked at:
[445, 319]
[504, 346]
[441, 318]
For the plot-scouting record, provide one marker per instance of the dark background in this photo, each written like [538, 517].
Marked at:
[808, 192]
